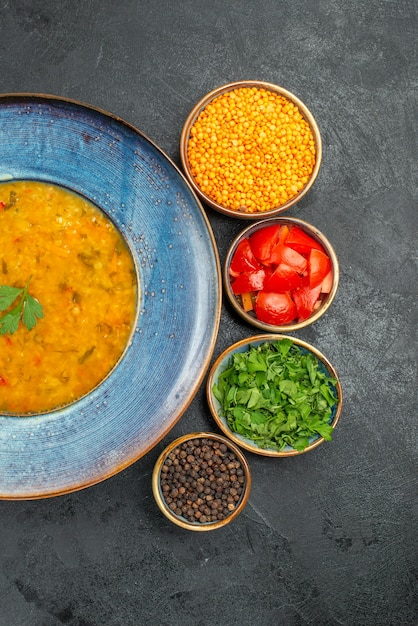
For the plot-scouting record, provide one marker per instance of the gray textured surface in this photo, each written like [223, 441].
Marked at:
[327, 538]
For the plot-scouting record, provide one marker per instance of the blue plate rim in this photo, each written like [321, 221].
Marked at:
[27, 493]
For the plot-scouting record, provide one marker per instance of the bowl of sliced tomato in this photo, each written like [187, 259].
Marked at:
[281, 274]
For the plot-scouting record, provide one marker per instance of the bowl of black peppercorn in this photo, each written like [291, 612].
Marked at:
[201, 481]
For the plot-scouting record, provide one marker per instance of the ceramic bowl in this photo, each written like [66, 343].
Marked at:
[223, 361]
[325, 298]
[190, 523]
[269, 154]
[115, 166]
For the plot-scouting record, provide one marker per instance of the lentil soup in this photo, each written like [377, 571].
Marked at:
[82, 273]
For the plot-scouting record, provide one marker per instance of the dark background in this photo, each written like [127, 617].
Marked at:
[329, 537]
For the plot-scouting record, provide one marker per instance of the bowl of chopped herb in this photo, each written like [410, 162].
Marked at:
[201, 481]
[274, 395]
[281, 274]
[250, 149]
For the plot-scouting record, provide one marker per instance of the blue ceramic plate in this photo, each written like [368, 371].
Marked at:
[120, 170]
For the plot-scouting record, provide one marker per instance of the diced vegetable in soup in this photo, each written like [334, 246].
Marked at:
[69, 261]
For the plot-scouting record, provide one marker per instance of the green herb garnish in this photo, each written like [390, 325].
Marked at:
[86, 355]
[26, 308]
[277, 395]
[12, 201]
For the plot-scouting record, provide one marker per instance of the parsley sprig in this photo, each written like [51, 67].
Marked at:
[277, 394]
[26, 308]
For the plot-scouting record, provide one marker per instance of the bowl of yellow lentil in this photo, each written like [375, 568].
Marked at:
[250, 149]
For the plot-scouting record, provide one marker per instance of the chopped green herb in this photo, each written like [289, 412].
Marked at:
[277, 395]
[12, 201]
[27, 309]
[89, 258]
[86, 355]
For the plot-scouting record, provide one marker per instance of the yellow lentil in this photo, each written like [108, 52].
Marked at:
[251, 150]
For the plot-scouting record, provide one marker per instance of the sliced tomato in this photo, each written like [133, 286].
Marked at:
[284, 231]
[275, 308]
[263, 240]
[301, 242]
[318, 267]
[243, 259]
[249, 281]
[305, 299]
[284, 254]
[284, 278]
[326, 284]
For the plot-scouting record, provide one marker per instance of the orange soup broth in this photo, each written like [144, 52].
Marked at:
[83, 274]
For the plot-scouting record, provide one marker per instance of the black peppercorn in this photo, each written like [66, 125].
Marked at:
[202, 480]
